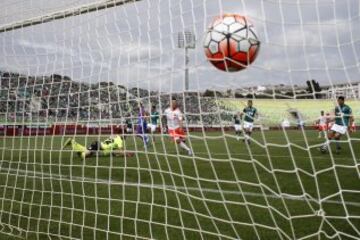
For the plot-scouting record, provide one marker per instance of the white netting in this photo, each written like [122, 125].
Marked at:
[80, 70]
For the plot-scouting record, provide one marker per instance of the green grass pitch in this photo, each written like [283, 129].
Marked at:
[272, 189]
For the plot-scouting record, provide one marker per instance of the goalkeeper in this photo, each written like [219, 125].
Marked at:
[111, 146]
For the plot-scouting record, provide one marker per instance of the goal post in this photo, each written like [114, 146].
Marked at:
[109, 131]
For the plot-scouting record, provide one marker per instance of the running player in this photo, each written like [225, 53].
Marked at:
[111, 146]
[237, 125]
[174, 121]
[154, 118]
[343, 121]
[322, 124]
[250, 114]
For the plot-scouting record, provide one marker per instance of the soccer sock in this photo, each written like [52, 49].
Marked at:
[144, 138]
[327, 141]
[183, 145]
[337, 144]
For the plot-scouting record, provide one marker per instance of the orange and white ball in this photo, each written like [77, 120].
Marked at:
[231, 43]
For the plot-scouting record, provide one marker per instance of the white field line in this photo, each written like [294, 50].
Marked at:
[229, 154]
[175, 188]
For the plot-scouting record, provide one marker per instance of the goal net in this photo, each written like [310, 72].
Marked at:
[89, 142]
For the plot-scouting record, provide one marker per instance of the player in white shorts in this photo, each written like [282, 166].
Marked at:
[174, 121]
[343, 121]
[285, 123]
[322, 124]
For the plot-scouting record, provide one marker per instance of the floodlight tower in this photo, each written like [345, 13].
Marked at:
[186, 40]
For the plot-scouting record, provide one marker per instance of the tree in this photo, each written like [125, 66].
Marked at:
[314, 87]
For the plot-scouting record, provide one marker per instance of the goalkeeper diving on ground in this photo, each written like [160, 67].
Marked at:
[111, 146]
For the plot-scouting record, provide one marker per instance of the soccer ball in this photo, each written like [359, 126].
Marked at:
[231, 43]
[324, 149]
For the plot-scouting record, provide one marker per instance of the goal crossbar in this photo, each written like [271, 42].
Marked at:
[70, 12]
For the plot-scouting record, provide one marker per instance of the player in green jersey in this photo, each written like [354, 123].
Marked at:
[154, 120]
[249, 114]
[343, 121]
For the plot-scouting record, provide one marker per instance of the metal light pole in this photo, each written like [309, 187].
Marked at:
[187, 41]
